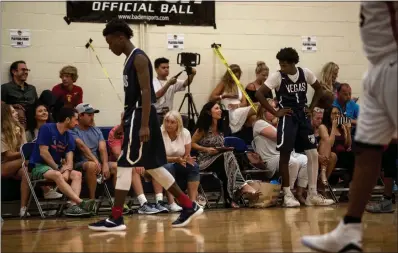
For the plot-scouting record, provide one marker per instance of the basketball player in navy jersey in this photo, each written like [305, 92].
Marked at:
[143, 143]
[376, 126]
[294, 130]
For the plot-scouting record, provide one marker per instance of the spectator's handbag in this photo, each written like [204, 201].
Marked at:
[255, 160]
[269, 193]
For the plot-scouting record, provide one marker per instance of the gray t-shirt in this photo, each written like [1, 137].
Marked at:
[91, 139]
[265, 147]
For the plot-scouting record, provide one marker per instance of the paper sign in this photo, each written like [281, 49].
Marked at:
[175, 41]
[20, 37]
[308, 44]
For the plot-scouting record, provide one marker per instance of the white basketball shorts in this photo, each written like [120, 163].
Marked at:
[377, 120]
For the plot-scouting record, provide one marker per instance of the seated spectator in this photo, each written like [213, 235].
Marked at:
[12, 138]
[345, 104]
[327, 159]
[342, 143]
[92, 158]
[329, 74]
[262, 72]
[18, 93]
[231, 97]
[208, 140]
[52, 159]
[165, 89]
[67, 92]
[264, 143]
[37, 116]
[115, 141]
[177, 141]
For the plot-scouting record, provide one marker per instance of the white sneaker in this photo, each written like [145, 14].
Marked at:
[22, 212]
[318, 200]
[52, 194]
[345, 238]
[290, 201]
[174, 208]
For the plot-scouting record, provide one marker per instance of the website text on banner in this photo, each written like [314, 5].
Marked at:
[192, 13]
[237, 82]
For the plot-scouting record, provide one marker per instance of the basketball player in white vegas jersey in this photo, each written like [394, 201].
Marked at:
[377, 122]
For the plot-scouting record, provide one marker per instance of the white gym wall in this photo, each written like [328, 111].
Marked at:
[248, 32]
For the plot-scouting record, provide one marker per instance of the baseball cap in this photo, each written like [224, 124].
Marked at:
[86, 108]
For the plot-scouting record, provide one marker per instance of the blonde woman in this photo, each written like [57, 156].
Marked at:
[67, 92]
[329, 74]
[262, 72]
[12, 138]
[231, 97]
[177, 141]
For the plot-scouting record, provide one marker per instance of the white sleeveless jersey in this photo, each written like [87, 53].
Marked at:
[379, 29]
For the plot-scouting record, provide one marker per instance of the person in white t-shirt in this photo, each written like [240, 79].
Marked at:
[264, 143]
[177, 141]
[166, 88]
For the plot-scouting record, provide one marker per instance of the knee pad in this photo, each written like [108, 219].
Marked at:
[162, 176]
[123, 181]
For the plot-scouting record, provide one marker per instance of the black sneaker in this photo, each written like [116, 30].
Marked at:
[108, 224]
[187, 215]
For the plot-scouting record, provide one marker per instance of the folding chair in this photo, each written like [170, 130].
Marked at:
[213, 174]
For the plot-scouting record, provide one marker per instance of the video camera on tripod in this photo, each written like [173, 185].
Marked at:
[189, 60]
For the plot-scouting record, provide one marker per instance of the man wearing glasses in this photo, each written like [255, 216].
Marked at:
[17, 92]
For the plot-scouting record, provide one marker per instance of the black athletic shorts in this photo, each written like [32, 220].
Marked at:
[153, 151]
[389, 161]
[295, 132]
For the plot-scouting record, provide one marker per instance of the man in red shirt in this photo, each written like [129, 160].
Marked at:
[66, 92]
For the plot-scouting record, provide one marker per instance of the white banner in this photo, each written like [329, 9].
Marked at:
[308, 44]
[20, 37]
[175, 41]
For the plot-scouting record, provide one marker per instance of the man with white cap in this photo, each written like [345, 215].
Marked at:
[91, 156]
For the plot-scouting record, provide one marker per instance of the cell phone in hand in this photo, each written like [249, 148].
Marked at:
[343, 120]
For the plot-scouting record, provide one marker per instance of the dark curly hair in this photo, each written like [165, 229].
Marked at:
[205, 119]
[288, 55]
[118, 26]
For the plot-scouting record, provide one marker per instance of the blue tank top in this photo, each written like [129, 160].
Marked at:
[292, 94]
[131, 83]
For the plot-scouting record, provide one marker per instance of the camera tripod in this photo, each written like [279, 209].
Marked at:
[192, 111]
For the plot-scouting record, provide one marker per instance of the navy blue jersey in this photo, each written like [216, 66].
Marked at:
[132, 88]
[292, 94]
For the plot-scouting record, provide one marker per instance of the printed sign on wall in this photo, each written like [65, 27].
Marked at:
[20, 37]
[175, 41]
[184, 12]
[308, 44]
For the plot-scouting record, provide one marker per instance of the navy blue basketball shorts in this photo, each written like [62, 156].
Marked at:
[153, 153]
[295, 132]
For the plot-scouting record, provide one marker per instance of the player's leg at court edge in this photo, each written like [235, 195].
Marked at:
[288, 199]
[190, 209]
[116, 222]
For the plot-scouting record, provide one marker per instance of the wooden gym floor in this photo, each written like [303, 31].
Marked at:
[255, 230]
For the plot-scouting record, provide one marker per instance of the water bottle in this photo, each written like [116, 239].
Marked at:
[274, 182]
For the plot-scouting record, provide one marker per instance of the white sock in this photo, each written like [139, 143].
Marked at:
[159, 197]
[141, 198]
[287, 191]
[312, 169]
